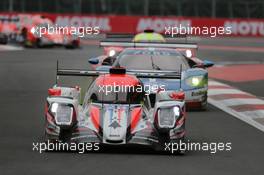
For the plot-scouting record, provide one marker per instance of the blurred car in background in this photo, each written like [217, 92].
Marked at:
[31, 36]
[116, 43]
[112, 49]
[8, 29]
[25, 30]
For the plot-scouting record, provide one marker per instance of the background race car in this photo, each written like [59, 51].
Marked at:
[146, 36]
[9, 29]
[32, 35]
[164, 56]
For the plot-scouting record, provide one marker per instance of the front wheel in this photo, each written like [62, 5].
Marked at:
[24, 38]
[73, 45]
[65, 135]
[4, 39]
[39, 43]
[181, 146]
[204, 103]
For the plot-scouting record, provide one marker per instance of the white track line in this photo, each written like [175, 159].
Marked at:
[224, 91]
[10, 48]
[255, 114]
[211, 82]
[255, 117]
[242, 101]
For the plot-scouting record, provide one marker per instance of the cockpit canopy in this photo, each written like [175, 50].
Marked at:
[117, 89]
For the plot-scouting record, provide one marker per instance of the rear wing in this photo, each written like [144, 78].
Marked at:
[137, 73]
[119, 36]
[131, 36]
[9, 19]
[118, 70]
[105, 43]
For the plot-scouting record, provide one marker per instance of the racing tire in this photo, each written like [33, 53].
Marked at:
[4, 40]
[162, 148]
[181, 151]
[39, 43]
[73, 45]
[204, 106]
[24, 37]
[65, 135]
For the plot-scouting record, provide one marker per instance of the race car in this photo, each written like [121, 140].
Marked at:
[31, 35]
[147, 36]
[164, 56]
[115, 117]
[114, 44]
[8, 29]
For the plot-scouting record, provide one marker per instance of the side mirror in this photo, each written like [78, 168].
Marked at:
[208, 63]
[93, 60]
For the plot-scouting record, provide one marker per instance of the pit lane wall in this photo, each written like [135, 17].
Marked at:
[135, 24]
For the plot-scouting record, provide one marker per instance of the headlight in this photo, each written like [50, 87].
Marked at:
[167, 117]
[112, 53]
[63, 113]
[188, 53]
[196, 81]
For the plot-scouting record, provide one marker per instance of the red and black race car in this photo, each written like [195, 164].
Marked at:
[24, 30]
[116, 110]
[8, 29]
[31, 36]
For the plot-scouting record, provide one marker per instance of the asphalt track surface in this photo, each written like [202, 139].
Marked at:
[25, 77]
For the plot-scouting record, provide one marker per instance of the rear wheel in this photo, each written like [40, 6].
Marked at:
[73, 45]
[39, 43]
[181, 146]
[204, 103]
[24, 38]
[204, 106]
[169, 145]
[182, 150]
[4, 40]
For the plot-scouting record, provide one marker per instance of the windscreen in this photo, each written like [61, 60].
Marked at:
[115, 94]
[146, 59]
